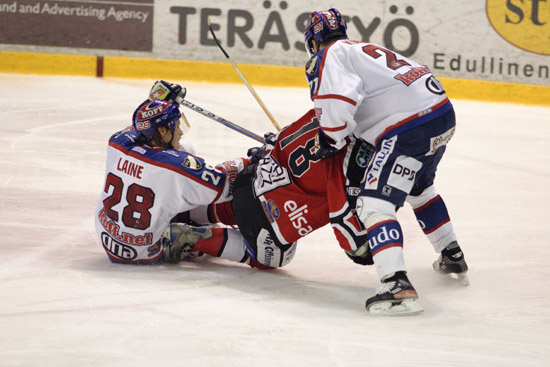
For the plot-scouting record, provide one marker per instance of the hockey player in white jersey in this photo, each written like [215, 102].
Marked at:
[150, 178]
[396, 104]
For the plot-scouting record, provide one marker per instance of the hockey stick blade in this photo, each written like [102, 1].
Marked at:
[222, 121]
[254, 94]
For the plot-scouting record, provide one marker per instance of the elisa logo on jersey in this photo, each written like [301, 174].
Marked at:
[524, 24]
[297, 217]
[271, 210]
[117, 249]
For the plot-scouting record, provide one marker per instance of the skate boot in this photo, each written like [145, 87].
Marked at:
[451, 261]
[396, 296]
[178, 241]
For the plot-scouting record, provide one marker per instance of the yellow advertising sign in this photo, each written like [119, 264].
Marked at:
[523, 23]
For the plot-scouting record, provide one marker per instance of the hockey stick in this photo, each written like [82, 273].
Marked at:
[256, 96]
[222, 121]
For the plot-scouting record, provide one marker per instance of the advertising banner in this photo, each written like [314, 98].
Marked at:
[109, 25]
[488, 40]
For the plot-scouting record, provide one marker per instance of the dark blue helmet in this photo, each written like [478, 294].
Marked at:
[152, 114]
[322, 26]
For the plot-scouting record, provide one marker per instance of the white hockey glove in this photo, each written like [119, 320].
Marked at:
[166, 91]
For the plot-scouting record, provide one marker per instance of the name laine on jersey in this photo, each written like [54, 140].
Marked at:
[114, 231]
[130, 168]
[297, 218]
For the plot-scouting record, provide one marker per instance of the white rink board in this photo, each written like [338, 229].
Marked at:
[64, 304]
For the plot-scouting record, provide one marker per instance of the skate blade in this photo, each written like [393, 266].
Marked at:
[409, 306]
[463, 279]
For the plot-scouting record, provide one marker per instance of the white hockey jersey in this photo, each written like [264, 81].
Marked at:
[145, 188]
[370, 91]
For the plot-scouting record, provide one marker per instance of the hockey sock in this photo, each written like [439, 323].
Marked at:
[225, 243]
[385, 240]
[433, 218]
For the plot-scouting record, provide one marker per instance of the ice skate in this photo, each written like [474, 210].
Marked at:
[451, 261]
[395, 297]
[179, 240]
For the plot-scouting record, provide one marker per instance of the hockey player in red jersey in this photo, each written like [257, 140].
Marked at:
[289, 193]
[367, 91]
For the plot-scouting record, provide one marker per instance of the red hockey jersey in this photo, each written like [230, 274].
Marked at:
[301, 193]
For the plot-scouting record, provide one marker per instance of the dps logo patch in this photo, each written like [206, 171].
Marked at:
[524, 24]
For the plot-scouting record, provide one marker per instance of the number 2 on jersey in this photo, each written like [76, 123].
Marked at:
[139, 198]
[391, 59]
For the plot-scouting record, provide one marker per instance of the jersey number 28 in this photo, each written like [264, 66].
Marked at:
[139, 198]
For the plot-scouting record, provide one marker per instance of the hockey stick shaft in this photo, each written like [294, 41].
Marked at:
[256, 96]
[222, 121]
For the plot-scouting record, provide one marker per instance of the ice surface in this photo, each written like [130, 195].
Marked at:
[64, 304]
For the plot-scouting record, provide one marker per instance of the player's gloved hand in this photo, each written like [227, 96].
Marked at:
[255, 154]
[361, 256]
[323, 149]
[163, 90]
[269, 138]
[269, 141]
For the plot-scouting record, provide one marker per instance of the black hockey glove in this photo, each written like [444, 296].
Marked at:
[165, 91]
[269, 141]
[323, 147]
[361, 256]
[255, 154]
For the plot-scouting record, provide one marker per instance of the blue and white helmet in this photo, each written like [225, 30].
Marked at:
[152, 114]
[322, 26]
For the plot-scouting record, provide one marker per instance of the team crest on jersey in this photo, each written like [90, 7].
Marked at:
[192, 163]
[311, 65]
[271, 210]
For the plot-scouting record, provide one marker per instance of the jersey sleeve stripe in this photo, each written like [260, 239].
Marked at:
[334, 129]
[337, 96]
